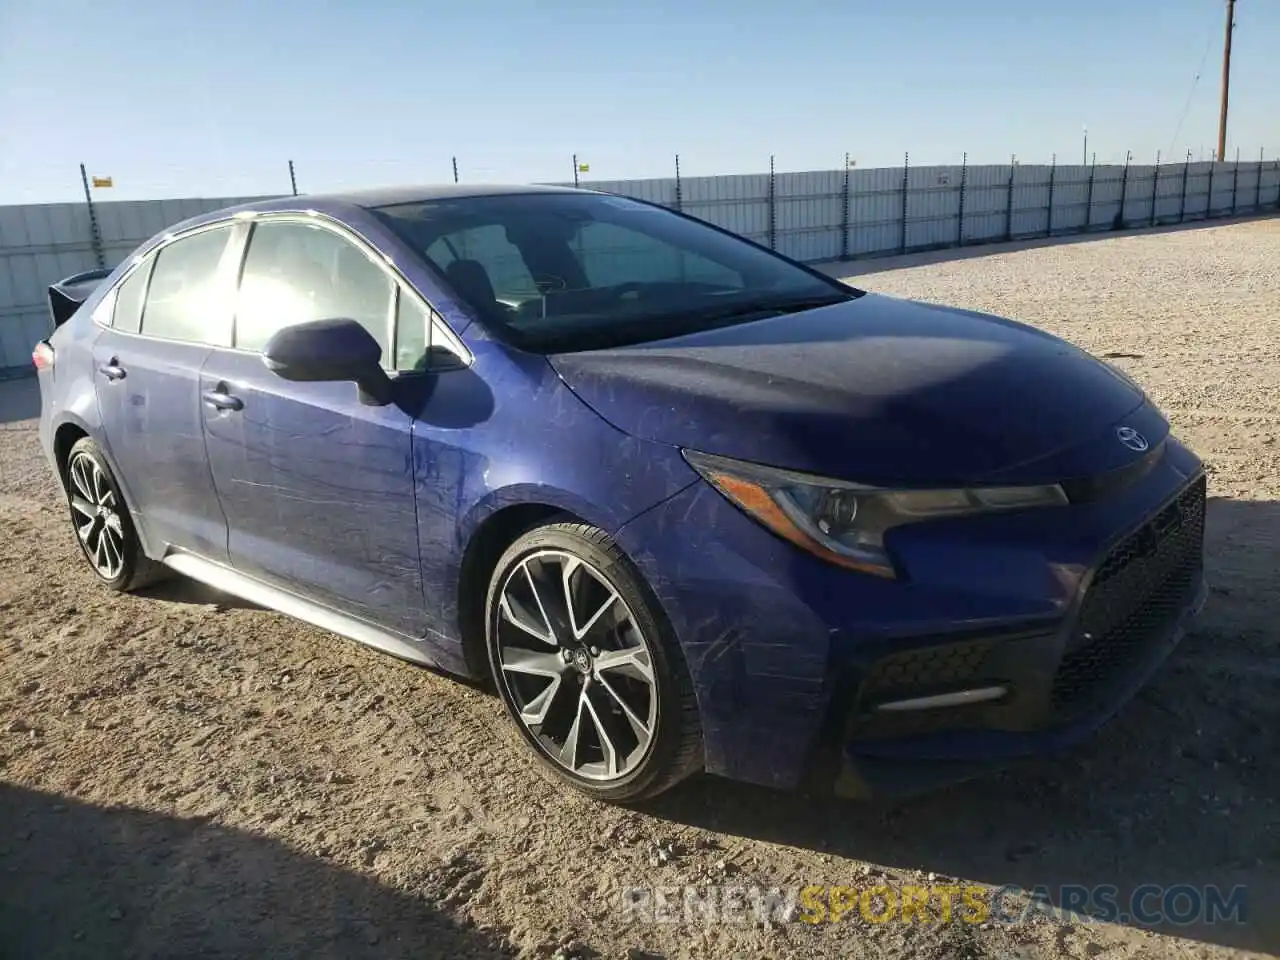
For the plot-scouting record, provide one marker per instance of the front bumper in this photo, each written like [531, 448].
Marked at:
[1068, 614]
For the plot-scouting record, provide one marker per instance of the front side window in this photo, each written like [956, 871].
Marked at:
[295, 272]
[566, 271]
[185, 297]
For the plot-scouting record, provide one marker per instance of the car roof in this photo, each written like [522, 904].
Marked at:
[390, 196]
[343, 203]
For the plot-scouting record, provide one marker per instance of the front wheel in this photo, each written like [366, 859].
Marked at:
[587, 666]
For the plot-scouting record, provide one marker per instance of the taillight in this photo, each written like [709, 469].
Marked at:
[42, 355]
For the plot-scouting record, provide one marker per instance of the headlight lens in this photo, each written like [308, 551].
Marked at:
[844, 522]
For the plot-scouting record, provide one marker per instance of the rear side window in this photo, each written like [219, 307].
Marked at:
[296, 272]
[185, 298]
[128, 312]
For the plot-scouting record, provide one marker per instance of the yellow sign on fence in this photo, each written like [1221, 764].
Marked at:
[102, 182]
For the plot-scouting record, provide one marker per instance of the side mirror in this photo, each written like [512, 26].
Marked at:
[323, 350]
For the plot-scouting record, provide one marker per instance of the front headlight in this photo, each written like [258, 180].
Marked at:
[844, 522]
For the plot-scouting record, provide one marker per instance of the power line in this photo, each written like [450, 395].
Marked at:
[1204, 57]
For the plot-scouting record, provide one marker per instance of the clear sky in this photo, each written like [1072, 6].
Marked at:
[178, 98]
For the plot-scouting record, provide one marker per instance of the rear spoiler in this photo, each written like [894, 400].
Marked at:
[65, 296]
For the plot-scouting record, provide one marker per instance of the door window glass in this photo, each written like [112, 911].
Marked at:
[297, 272]
[185, 299]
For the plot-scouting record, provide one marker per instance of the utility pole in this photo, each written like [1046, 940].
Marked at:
[1226, 81]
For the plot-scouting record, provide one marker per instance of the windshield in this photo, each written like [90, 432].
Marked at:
[558, 272]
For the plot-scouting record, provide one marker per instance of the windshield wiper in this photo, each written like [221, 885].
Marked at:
[765, 308]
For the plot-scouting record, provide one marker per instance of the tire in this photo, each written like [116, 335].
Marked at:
[611, 669]
[101, 523]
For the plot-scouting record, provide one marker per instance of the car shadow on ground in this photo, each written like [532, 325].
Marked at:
[845, 269]
[1180, 788]
[86, 881]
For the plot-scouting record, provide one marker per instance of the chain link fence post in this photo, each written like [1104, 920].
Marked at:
[95, 235]
[1008, 206]
[679, 196]
[844, 213]
[1088, 203]
[1257, 187]
[1182, 205]
[1118, 222]
[964, 176]
[1235, 183]
[906, 175]
[773, 207]
[1053, 176]
[1155, 188]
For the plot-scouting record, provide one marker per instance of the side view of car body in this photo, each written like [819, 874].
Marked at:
[688, 504]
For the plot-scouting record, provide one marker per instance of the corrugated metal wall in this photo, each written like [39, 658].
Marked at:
[45, 242]
[814, 216]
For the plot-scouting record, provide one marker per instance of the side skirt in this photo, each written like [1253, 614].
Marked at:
[230, 581]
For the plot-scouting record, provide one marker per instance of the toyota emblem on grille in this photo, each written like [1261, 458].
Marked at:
[1131, 438]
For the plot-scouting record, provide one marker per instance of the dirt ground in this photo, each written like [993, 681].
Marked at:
[182, 776]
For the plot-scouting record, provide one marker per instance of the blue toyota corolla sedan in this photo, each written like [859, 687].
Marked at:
[689, 505]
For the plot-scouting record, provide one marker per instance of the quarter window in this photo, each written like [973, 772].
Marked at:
[413, 333]
[128, 312]
[297, 272]
[185, 299]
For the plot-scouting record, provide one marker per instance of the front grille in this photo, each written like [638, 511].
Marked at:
[1135, 597]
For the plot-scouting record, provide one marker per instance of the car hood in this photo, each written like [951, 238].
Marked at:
[875, 390]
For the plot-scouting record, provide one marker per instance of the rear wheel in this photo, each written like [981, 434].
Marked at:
[587, 666]
[101, 521]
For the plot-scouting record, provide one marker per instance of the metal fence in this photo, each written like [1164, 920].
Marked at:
[42, 243]
[812, 216]
[835, 215]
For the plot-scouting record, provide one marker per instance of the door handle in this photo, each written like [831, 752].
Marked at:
[112, 370]
[221, 400]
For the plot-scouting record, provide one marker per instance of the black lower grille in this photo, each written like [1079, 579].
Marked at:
[925, 669]
[1135, 597]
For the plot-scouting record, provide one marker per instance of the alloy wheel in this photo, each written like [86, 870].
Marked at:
[576, 665]
[96, 515]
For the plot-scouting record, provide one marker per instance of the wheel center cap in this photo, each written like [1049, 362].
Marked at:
[582, 661]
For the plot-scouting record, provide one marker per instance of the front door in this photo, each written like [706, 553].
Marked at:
[168, 313]
[317, 487]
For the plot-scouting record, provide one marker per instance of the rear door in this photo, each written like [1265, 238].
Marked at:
[169, 312]
[317, 487]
